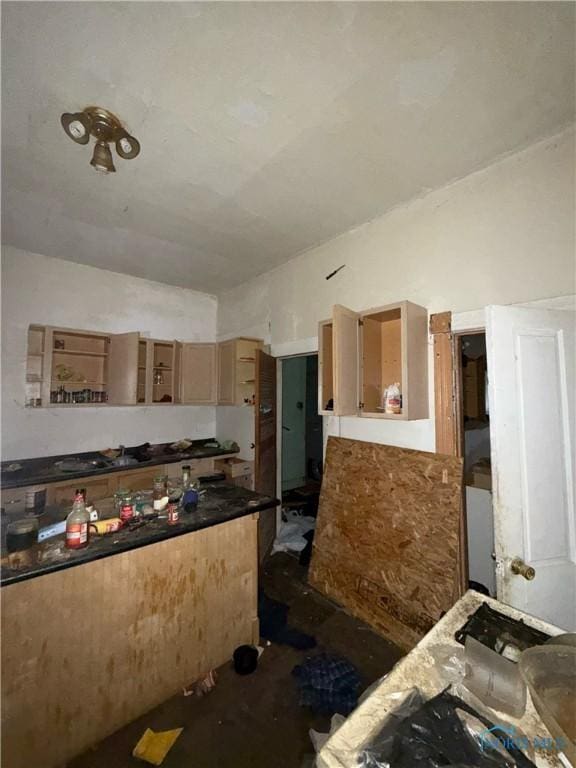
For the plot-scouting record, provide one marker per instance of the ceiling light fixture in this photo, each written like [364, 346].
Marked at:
[106, 129]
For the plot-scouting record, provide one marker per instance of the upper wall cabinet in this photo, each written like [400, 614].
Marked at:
[72, 367]
[361, 354]
[237, 371]
[199, 374]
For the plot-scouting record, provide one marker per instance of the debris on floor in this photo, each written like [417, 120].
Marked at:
[155, 745]
[273, 617]
[328, 684]
[291, 536]
[245, 659]
[202, 686]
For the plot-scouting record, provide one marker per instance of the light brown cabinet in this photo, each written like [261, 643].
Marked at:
[362, 353]
[199, 374]
[237, 371]
[67, 367]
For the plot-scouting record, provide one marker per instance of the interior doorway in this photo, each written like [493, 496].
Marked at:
[473, 423]
[301, 454]
[301, 423]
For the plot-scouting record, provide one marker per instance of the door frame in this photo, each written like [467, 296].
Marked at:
[306, 348]
[447, 415]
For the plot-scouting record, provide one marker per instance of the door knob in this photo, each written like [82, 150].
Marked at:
[519, 567]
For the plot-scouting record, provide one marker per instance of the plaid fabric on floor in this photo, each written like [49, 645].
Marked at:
[328, 684]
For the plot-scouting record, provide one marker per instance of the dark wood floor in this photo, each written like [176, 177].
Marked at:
[255, 721]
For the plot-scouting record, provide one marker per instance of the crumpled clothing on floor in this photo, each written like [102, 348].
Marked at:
[273, 617]
[328, 684]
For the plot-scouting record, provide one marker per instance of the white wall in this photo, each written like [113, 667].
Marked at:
[39, 289]
[500, 236]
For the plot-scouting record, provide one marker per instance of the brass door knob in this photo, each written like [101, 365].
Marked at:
[519, 567]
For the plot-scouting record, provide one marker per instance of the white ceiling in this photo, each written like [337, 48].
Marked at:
[266, 128]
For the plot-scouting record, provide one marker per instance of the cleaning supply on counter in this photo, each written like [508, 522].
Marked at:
[77, 524]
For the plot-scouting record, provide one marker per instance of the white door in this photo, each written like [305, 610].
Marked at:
[531, 397]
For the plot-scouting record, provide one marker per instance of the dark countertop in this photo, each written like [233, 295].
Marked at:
[220, 503]
[42, 471]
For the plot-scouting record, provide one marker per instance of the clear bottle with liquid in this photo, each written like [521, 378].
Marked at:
[77, 524]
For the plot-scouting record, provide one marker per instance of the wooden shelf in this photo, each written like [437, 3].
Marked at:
[68, 382]
[81, 353]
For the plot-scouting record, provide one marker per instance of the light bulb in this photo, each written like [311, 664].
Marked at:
[77, 129]
[126, 145]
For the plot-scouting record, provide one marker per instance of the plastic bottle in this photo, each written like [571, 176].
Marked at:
[77, 524]
[393, 398]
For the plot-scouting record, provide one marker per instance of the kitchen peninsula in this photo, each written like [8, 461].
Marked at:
[116, 628]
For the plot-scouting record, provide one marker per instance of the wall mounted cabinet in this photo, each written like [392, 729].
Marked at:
[362, 353]
[68, 367]
[237, 370]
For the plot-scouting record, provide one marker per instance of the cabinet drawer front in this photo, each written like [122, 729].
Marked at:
[197, 467]
[96, 488]
[138, 481]
[238, 468]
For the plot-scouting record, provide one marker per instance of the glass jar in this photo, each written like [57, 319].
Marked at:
[159, 493]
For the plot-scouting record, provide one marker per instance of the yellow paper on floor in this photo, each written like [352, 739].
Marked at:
[153, 747]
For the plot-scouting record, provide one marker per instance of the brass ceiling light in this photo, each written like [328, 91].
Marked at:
[106, 129]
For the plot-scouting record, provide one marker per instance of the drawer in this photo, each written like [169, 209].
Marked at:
[137, 480]
[234, 467]
[198, 467]
[96, 488]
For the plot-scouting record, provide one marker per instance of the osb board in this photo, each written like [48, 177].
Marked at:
[88, 649]
[387, 536]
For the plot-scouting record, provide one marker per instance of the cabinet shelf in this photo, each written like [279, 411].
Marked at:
[80, 353]
[69, 382]
[236, 369]
[363, 353]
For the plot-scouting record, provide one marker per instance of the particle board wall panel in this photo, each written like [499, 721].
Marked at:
[387, 538]
[89, 649]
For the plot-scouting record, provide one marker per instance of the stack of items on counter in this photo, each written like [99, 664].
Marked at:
[167, 500]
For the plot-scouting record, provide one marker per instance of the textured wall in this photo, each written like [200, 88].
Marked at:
[503, 235]
[39, 289]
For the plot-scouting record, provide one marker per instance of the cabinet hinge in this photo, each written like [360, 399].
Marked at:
[361, 405]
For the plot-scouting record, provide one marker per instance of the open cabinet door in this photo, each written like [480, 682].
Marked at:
[123, 368]
[265, 450]
[531, 397]
[345, 350]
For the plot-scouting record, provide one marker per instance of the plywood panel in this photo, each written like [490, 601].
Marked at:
[89, 649]
[387, 538]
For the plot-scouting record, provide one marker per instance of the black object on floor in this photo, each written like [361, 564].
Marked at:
[245, 659]
[496, 631]
[431, 734]
[273, 617]
[328, 684]
[306, 554]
